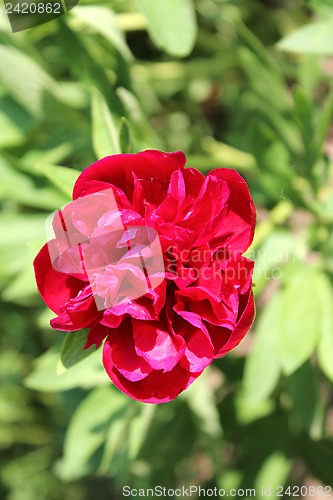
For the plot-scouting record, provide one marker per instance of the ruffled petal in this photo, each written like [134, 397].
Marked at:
[55, 288]
[117, 170]
[161, 348]
[246, 317]
[238, 272]
[134, 390]
[79, 312]
[96, 335]
[121, 350]
[199, 352]
[237, 229]
[166, 385]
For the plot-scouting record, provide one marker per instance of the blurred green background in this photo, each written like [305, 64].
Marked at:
[241, 83]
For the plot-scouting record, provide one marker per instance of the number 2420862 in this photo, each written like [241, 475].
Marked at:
[34, 8]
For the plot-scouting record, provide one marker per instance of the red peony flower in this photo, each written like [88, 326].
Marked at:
[149, 257]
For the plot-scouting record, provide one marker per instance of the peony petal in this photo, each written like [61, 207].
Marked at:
[132, 307]
[197, 300]
[219, 336]
[238, 225]
[159, 347]
[202, 212]
[199, 351]
[55, 288]
[96, 186]
[79, 312]
[166, 385]
[132, 389]
[117, 170]
[96, 335]
[171, 207]
[238, 272]
[120, 349]
[247, 313]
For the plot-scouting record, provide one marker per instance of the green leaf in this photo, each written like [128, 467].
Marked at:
[87, 373]
[149, 139]
[304, 114]
[228, 155]
[325, 347]
[314, 38]
[201, 399]
[278, 248]
[125, 136]
[89, 427]
[325, 120]
[22, 288]
[171, 24]
[318, 457]
[262, 366]
[104, 22]
[105, 134]
[25, 80]
[16, 185]
[264, 80]
[273, 473]
[302, 386]
[300, 319]
[73, 350]
[16, 256]
[15, 123]
[118, 435]
[139, 428]
[248, 411]
[62, 177]
[323, 6]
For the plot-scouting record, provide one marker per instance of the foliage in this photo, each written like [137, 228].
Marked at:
[232, 83]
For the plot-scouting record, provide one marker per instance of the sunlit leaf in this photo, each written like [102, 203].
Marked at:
[25, 80]
[105, 134]
[300, 323]
[313, 38]
[262, 366]
[273, 473]
[62, 177]
[302, 386]
[325, 347]
[201, 400]
[125, 136]
[89, 427]
[87, 373]
[139, 428]
[103, 21]
[171, 24]
[16, 185]
[73, 350]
